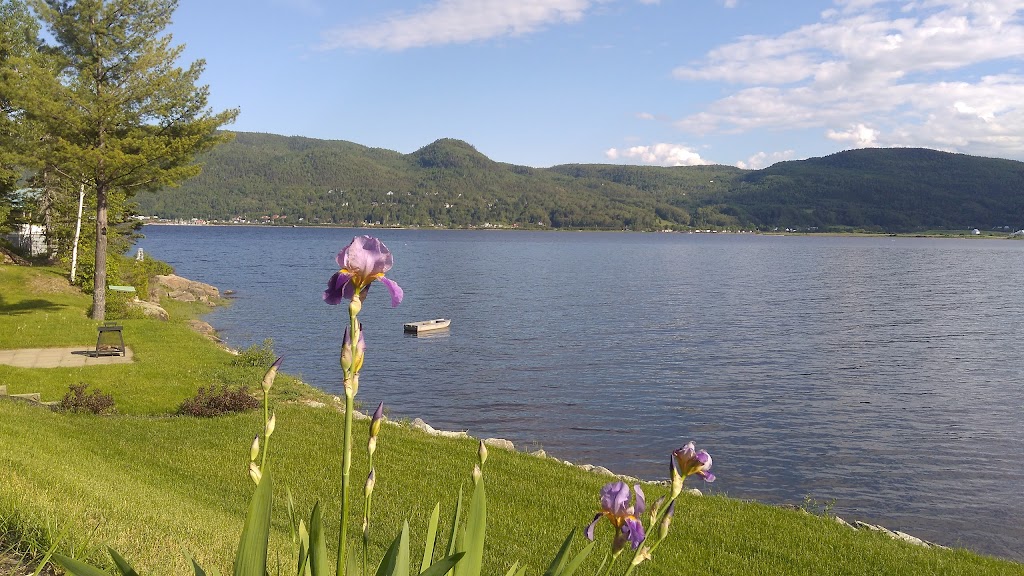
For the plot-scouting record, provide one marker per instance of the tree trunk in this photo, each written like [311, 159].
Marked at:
[99, 282]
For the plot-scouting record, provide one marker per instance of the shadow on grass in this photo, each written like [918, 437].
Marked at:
[26, 306]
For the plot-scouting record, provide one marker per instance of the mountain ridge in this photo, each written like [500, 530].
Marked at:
[448, 183]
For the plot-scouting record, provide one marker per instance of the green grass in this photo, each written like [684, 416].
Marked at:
[152, 485]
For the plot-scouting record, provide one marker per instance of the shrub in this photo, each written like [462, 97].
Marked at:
[81, 401]
[212, 401]
[258, 355]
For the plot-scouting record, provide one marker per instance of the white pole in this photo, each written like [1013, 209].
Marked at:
[78, 231]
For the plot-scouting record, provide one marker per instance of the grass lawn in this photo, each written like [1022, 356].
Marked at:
[153, 485]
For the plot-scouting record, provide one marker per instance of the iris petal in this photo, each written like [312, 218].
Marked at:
[589, 532]
[641, 503]
[335, 289]
[396, 291]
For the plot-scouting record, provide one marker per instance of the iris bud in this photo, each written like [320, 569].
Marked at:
[254, 450]
[268, 378]
[254, 472]
[481, 453]
[371, 480]
[271, 424]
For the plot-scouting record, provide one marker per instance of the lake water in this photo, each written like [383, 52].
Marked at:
[882, 373]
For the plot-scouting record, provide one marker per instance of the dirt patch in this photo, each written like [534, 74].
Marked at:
[50, 284]
[14, 564]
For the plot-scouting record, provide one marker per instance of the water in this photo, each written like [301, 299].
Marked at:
[882, 373]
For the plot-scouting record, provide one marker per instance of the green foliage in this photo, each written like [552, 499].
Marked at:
[212, 401]
[80, 400]
[450, 184]
[138, 119]
[257, 355]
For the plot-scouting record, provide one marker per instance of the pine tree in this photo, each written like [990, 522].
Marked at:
[120, 116]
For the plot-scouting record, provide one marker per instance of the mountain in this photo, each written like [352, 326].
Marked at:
[449, 183]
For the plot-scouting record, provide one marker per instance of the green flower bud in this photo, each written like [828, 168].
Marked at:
[481, 453]
[271, 424]
[371, 479]
[268, 378]
[254, 450]
[254, 472]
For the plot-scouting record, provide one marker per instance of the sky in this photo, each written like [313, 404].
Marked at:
[539, 83]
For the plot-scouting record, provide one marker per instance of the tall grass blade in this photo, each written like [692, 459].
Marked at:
[455, 524]
[476, 526]
[318, 562]
[122, 565]
[443, 565]
[389, 562]
[77, 567]
[251, 559]
[577, 560]
[428, 546]
[197, 570]
[559, 560]
[513, 569]
[52, 549]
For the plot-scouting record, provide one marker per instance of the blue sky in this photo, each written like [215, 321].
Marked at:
[669, 82]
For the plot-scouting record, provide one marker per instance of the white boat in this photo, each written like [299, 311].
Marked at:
[427, 325]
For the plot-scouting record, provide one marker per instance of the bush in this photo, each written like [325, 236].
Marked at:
[258, 355]
[211, 401]
[79, 400]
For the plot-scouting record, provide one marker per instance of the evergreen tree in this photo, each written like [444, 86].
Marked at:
[120, 116]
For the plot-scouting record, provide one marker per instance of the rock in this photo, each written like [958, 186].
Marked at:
[500, 443]
[587, 467]
[694, 492]
[419, 424]
[204, 328]
[908, 538]
[842, 522]
[603, 470]
[183, 289]
[150, 309]
[539, 453]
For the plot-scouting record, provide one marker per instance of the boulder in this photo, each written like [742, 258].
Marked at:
[182, 289]
[500, 443]
[150, 309]
[204, 328]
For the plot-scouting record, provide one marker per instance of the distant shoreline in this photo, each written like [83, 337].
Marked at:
[965, 234]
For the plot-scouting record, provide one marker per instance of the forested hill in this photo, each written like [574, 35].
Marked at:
[296, 180]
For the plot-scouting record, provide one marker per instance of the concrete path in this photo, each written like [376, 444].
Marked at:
[74, 357]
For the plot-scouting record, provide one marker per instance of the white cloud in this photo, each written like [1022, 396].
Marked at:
[457, 22]
[730, 3]
[658, 154]
[878, 73]
[860, 136]
[644, 116]
[765, 159]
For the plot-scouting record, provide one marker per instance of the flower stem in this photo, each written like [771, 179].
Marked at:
[346, 466]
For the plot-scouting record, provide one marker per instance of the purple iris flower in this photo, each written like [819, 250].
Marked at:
[615, 506]
[364, 260]
[688, 461]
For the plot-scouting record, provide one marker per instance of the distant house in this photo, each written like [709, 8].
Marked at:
[30, 238]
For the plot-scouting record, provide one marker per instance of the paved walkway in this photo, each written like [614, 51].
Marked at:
[74, 357]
